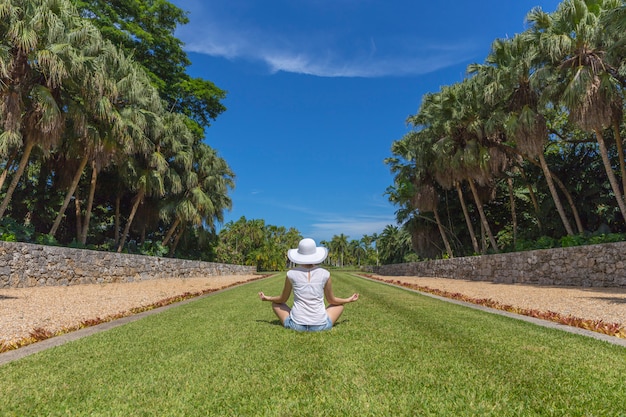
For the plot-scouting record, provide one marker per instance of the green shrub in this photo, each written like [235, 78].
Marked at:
[576, 240]
[608, 238]
[12, 231]
[150, 248]
[46, 239]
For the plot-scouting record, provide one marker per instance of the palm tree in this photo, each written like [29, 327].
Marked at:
[431, 120]
[414, 183]
[126, 91]
[43, 41]
[121, 89]
[339, 244]
[375, 237]
[358, 250]
[393, 244]
[509, 67]
[369, 244]
[145, 175]
[205, 196]
[572, 40]
[614, 22]
[461, 153]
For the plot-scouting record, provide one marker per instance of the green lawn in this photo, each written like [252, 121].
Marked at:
[393, 353]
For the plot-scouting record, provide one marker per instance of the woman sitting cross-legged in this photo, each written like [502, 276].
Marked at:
[310, 284]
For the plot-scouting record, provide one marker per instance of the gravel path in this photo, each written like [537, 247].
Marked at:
[592, 303]
[54, 308]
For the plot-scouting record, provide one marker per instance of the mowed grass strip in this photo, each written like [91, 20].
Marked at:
[392, 353]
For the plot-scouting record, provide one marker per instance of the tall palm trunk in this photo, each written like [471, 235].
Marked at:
[443, 234]
[3, 176]
[79, 218]
[564, 190]
[484, 241]
[175, 244]
[92, 193]
[138, 201]
[555, 196]
[69, 194]
[483, 218]
[620, 155]
[533, 198]
[28, 147]
[170, 232]
[468, 221]
[570, 201]
[509, 181]
[118, 202]
[610, 173]
[7, 168]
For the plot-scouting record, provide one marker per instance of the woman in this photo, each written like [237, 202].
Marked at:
[310, 284]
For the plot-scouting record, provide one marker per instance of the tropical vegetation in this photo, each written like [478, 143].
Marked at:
[252, 242]
[527, 150]
[101, 129]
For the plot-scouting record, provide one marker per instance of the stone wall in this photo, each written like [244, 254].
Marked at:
[602, 265]
[28, 265]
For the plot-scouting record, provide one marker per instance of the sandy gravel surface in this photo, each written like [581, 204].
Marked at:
[591, 303]
[54, 308]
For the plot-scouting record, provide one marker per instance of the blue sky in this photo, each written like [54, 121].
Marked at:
[319, 89]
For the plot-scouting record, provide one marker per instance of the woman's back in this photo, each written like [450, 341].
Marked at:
[308, 295]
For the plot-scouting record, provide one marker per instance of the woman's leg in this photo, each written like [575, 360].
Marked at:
[281, 310]
[334, 311]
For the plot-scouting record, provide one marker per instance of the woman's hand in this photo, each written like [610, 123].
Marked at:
[353, 297]
[263, 297]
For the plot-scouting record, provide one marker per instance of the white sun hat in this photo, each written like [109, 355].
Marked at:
[307, 253]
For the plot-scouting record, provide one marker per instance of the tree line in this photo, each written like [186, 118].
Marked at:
[255, 243]
[392, 245]
[101, 129]
[527, 150]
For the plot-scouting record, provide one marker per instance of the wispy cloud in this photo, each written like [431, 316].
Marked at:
[323, 225]
[355, 227]
[324, 53]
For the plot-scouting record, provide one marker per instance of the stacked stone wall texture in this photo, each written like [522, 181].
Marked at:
[602, 265]
[27, 265]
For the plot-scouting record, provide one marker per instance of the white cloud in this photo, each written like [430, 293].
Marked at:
[355, 228]
[321, 53]
[312, 62]
[323, 225]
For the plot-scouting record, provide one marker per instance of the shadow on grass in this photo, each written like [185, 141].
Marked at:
[272, 322]
[278, 323]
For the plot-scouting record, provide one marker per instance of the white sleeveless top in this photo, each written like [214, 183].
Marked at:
[308, 295]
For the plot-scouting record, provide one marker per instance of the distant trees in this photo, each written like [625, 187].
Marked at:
[252, 242]
[531, 141]
[393, 245]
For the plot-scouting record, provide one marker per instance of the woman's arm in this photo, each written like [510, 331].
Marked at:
[330, 296]
[281, 298]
